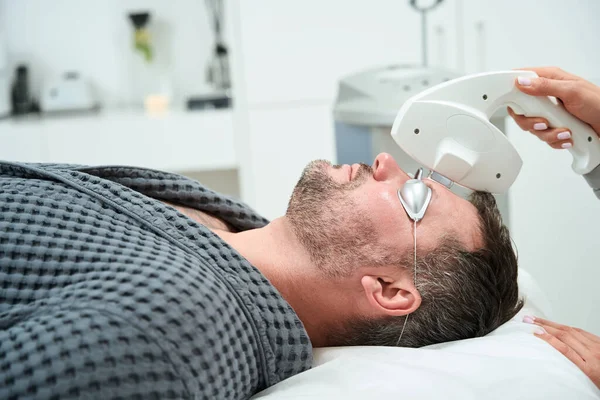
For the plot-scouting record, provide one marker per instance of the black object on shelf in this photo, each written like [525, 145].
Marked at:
[208, 102]
[22, 102]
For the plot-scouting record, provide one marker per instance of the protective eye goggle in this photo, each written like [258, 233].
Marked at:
[415, 196]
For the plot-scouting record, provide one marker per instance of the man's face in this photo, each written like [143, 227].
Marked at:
[350, 216]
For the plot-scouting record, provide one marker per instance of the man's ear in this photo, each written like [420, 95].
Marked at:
[391, 296]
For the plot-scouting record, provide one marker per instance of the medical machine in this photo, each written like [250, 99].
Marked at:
[447, 129]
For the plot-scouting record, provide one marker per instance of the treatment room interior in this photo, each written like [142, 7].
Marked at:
[251, 129]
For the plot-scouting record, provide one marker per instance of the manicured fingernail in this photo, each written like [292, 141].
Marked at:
[563, 135]
[540, 126]
[524, 81]
[566, 145]
[528, 319]
[540, 331]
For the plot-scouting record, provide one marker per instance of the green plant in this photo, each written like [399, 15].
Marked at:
[142, 43]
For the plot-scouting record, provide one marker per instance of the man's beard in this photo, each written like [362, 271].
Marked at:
[328, 223]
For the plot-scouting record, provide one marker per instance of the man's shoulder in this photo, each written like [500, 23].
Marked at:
[160, 185]
[31, 169]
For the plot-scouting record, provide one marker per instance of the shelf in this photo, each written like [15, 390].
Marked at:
[175, 141]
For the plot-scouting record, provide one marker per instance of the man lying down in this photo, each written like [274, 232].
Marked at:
[120, 282]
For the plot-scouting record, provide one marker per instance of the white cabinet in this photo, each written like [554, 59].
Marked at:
[27, 143]
[175, 141]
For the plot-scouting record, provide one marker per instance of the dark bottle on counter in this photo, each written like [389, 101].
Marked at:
[21, 99]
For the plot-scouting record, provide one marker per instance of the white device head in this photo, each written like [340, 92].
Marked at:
[447, 129]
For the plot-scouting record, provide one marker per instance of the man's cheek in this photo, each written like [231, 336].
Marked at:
[379, 202]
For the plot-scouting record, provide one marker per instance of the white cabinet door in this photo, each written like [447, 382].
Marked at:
[554, 217]
[175, 141]
[511, 34]
[178, 141]
[22, 141]
[298, 50]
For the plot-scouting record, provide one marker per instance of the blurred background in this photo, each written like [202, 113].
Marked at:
[241, 95]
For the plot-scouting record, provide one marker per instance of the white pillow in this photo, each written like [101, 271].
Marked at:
[509, 363]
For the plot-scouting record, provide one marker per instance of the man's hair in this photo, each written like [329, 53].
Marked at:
[464, 294]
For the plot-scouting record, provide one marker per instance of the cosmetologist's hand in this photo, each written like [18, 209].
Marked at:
[579, 346]
[580, 97]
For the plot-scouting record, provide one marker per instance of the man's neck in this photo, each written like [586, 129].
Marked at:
[274, 249]
[276, 252]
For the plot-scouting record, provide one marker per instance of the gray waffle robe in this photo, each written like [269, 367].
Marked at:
[106, 292]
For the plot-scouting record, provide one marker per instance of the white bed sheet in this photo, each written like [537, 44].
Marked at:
[508, 363]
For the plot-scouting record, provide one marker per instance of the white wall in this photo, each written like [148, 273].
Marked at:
[94, 38]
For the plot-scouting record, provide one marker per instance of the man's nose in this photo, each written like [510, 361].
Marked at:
[385, 168]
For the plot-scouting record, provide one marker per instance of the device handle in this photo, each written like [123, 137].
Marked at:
[586, 143]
